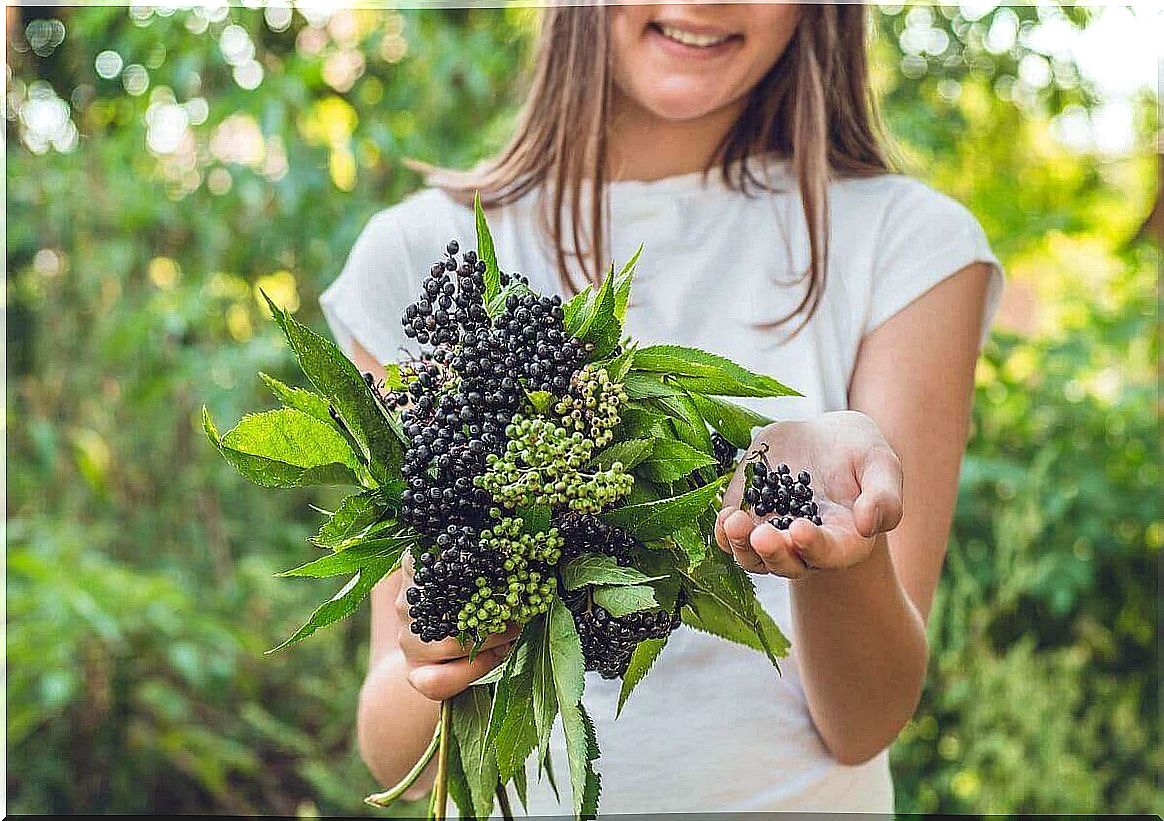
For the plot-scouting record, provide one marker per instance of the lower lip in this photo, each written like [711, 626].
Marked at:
[693, 52]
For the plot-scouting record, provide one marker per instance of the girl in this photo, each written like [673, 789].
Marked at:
[737, 142]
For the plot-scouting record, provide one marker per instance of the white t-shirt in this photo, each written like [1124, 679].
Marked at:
[713, 727]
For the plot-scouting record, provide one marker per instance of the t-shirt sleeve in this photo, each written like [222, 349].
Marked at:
[925, 238]
[365, 302]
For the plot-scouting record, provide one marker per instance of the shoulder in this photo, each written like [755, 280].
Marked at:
[892, 204]
[420, 224]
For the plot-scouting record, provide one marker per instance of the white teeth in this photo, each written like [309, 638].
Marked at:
[690, 38]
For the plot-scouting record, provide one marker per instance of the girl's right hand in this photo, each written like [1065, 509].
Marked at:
[439, 670]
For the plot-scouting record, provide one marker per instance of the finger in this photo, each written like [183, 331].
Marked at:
[878, 509]
[437, 652]
[737, 527]
[734, 493]
[438, 682]
[775, 549]
[820, 547]
[720, 536]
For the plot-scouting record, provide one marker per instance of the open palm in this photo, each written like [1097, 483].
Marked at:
[856, 480]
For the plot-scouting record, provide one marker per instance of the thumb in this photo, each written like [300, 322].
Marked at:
[879, 508]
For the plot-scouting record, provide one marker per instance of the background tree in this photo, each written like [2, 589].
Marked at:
[163, 165]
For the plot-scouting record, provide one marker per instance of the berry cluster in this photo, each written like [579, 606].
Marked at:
[544, 463]
[774, 490]
[586, 533]
[460, 407]
[609, 642]
[724, 451]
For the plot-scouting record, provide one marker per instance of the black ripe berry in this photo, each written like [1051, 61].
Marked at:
[774, 490]
[725, 452]
[608, 642]
[459, 395]
[584, 533]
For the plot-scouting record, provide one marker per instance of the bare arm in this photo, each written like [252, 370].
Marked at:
[860, 596]
[407, 679]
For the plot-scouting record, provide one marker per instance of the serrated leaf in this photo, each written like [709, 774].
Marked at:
[486, 251]
[622, 284]
[267, 472]
[656, 520]
[723, 602]
[393, 381]
[622, 601]
[685, 419]
[307, 401]
[353, 558]
[671, 460]
[582, 750]
[290, 436]
[521, 788]
[575, 310]
[732, 380]
[602, 328]
[641, 385]
[734, 422]
[518, 735]
[636, 421]
[594, 568]
[356, 517]
[618, 367]
[545, 699]
[470, 720]
[335, 376]
[694, 543]
[566, 654]
[344, 603]
[629, 452]
[535, 518]
[458, 783]
[640, 664]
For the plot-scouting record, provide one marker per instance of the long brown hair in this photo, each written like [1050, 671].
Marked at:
[813, 107]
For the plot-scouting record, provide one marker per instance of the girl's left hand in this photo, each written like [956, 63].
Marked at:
[856, 481]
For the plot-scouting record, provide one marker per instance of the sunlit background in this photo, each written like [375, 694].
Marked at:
[164, 164]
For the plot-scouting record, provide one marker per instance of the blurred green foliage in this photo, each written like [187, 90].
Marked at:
[163, 165]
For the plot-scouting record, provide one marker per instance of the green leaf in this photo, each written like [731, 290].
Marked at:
[458, 782]
[470, 722]
[486, 251]
[636, 421]
[545, 699]
[602, 328]
[575, 310]
[641, 385]
[722, 601]
[732, 380]
[358, 516]
[267, 472]
[622, 284]
[594, 568]
[521, 788]
[292, 437]
[535, 518]
[734, 422]
[309, 402]
[656, 520]
[541, 400]
[518, 733]
[344, 603]
[694, 543]
[622, 601]
[618, 367]
[629, 452]
[566, 654]
[393, 381]
[685, 420]
[640, 664]
[671, 459]
[582, 750]
[336, 377]
[354, 558]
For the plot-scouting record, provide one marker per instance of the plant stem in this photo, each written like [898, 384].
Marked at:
[503, 802]
[440, 788]
[384, 799]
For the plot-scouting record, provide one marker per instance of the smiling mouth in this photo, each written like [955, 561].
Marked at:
[691, 38]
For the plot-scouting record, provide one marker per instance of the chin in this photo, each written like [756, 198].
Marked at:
[678, 102]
